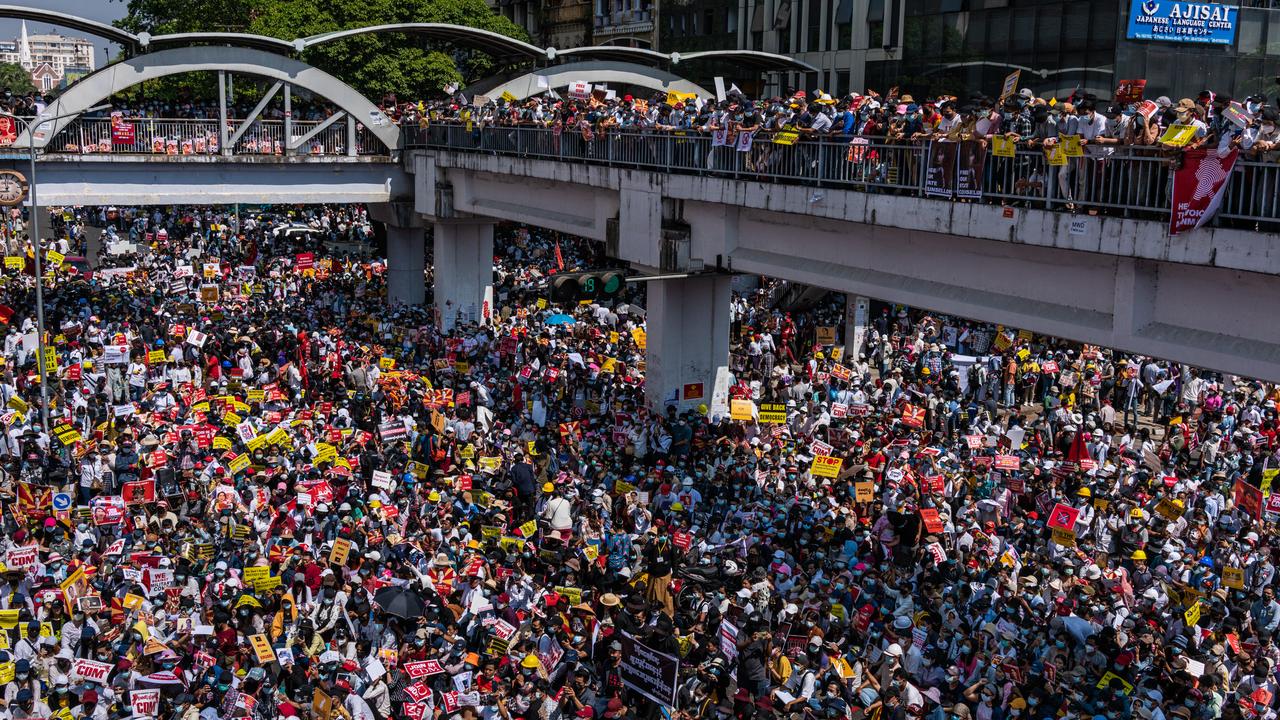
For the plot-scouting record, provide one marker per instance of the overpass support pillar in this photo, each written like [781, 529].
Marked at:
[406, 260]
[463, 271]
[688, 338]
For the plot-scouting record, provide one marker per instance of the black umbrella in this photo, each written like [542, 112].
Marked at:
[400, 601]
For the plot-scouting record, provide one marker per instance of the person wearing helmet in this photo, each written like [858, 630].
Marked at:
[557, 512]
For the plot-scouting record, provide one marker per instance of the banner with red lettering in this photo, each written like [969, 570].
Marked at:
[1198, 187]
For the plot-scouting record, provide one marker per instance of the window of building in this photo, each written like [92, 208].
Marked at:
[709, 22]
[813, 25]
[875, 23]
[844, 25]
[731, 20]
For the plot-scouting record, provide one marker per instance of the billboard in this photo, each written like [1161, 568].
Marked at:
[1184, 22]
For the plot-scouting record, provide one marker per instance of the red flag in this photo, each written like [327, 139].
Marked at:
[559, 260]
[6, 312]
[1078, 452]
[1198, 187]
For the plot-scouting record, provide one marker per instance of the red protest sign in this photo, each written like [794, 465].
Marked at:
[1007, 462]
[417, 691]
[138, 493]
[932, 522]
[1063, 517]
[913, 416]
[423, 668]
[1130, 91]
[1248, 498]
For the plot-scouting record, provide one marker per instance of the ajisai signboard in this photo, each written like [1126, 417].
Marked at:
[1185, 22]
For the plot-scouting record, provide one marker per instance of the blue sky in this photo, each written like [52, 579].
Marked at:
[101, 10]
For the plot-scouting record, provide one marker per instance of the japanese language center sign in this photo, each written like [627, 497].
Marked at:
[1187, 22]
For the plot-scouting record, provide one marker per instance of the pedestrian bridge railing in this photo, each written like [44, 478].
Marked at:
[161, 136]
[1129, 181]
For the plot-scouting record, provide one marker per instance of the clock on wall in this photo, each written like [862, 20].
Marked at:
[13, 187]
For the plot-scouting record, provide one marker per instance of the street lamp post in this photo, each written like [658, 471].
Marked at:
[32, 126]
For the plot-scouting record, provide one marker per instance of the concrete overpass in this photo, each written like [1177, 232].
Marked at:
[213, 179]
[1205, 298]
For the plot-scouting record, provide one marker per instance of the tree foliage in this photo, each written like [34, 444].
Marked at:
[409, 66]
[16, 79]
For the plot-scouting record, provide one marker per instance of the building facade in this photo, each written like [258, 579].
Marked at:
[53, 60]
[963, 47]
[631, 23]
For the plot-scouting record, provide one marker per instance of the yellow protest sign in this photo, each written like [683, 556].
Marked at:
[785, 137]
[341, 549]
[640, 337]
[8, 619]
[825, 466]
[1111, 677]
[1056, 158]
[1178, 135]
[157, 356]
[572, 593]
[490, 463]
[19, 404]
[262, 648]
[256, 395]
[1071, 145]
[508, 97]
[7, 672]
[221, 443]
[864, 491]
[1233, 577]
[1002, 146]
[773, 413]
[55, 258]
[674, 97]
[387, 363]
[255, 573]
[14, 262]
[1065, 538]
[1192, 615]
[741, 409]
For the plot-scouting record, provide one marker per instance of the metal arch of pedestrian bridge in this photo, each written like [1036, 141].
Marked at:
[495, 44]
[622, 73]
[93, 27]
[101, 85]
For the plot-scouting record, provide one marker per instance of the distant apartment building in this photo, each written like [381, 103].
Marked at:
[630, 23]
[53, 60]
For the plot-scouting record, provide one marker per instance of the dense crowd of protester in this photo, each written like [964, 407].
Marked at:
[895, 117]
[264, 492]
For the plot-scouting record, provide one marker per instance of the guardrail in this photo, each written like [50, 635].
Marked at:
[1129, 182]
[162, 136]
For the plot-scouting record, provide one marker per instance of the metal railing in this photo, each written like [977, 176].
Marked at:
[1128, 181]
[160, 136]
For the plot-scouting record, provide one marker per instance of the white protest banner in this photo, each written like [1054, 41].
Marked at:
[145, 703]
[91, 670]
[381, 479]
[115, 355]
[197, 338]
[22, 558]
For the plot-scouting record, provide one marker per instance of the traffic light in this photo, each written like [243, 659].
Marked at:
[576, 287]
